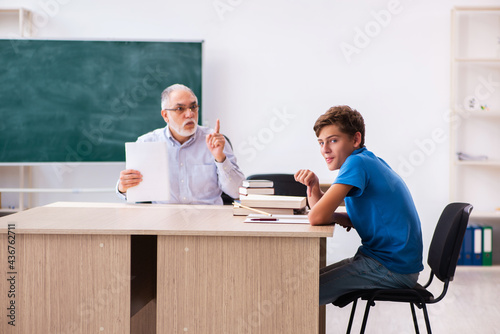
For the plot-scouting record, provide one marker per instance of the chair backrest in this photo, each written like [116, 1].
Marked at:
[447, 240]
[284, 184]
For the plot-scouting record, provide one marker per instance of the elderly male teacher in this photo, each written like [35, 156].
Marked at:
[201, 164]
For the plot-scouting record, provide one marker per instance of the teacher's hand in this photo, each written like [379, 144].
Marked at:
[215, 143]
[129, 178]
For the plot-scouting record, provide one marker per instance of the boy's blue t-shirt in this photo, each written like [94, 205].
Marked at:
[382, 211]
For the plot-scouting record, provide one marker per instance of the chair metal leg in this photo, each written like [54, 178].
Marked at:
[415, 323]
[351, 318]
[426, 317]
[369, 303]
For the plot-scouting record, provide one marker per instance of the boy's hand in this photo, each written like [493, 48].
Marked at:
[215, 143]
[308, 178]
[342, 219]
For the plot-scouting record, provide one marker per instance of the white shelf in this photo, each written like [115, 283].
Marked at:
[475, 69]
[477, 60]
[476, 113]
[486, 214]
[476, 9]
[481, 163]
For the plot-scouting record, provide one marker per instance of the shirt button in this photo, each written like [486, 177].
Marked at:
[182, 181]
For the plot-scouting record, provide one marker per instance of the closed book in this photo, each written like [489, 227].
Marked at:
[468, 239]
[477, 255]
[274, 201]
[487, 245]
[259, 191]
[257, 184]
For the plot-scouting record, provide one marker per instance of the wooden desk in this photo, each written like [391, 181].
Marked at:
[216, 274]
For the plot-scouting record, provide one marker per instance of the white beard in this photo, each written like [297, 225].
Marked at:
[180, 129]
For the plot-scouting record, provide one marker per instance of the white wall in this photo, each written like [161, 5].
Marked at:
[272, 67]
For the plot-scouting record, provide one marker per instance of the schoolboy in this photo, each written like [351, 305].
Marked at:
[379, 207]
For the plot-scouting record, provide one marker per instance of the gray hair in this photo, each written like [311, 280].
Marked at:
[165, 95]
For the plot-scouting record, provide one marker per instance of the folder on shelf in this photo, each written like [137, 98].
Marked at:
[487, 245]
[467, 246]
[460, 261]
[477, 245]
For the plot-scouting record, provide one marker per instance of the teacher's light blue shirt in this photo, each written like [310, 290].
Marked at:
[195, 176]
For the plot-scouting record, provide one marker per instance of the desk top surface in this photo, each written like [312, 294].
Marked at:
[140, 219]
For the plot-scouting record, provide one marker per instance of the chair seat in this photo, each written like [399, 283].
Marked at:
[414, 295]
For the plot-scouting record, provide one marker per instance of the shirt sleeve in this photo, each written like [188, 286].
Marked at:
[118, 193]
[352, 173]
[229, 174]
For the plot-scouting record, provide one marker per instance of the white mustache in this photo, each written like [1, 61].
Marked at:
[188, 120]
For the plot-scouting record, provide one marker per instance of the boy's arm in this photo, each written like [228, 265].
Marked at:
[322, 212]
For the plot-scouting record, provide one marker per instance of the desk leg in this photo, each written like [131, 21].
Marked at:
[322, 263]
[70, 284]
[257, 285]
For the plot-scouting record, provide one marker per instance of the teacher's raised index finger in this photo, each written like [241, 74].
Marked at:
[217, 126]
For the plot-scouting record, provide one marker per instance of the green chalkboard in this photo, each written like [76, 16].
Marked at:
[80, 101]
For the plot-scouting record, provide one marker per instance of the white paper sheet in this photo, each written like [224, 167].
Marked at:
[152, 161]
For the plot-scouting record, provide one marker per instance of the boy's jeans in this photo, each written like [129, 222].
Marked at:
[359, 272]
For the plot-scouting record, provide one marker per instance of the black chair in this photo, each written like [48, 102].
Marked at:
[442, 259]
[226, 199]
[284, 184]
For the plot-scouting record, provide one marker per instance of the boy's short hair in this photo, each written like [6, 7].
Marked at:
[348, 120]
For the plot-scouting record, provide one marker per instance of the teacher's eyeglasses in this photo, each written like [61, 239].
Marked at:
[182, 110]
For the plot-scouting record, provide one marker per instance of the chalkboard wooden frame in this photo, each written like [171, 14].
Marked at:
[81, 100]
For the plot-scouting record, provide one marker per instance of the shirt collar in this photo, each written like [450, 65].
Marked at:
[359, 150]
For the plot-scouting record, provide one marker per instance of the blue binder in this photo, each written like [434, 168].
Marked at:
[460, 261]
[467, 246]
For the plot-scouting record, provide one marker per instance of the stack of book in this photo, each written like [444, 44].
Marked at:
[257, 187]
[477, 246]
[259, 195]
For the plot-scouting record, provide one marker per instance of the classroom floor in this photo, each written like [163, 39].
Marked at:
[471, 306]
